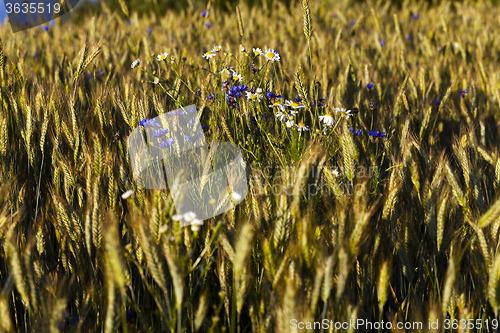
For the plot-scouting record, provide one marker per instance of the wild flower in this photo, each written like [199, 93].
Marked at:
[319, 102]
[148, 30]
[382, 42]
[289, 124]
[271, 55]
[294, 105]
[377, 134]
[298, 99]
[211, 96]
[279, 105]
[217, 48]
[456, 44]
[156, 80]
[46, 28]
[149, 123]
[127, 194]
[209, 55]
[166, 144]
[285, 114]
[237, 77]
[336, 172]
[100, 72]
[369, 86]
[302, 127]
[415, 16]
[253, 96]
[257, 51]
[161, 57]
[272, 95]
[204, 13]
[358, 132]
[410, 37]
[209, 25]
[236, 196]
[135, 63]
[348, 113]
[327, 119]
[159, 132]
[36, 55]
[463, 92]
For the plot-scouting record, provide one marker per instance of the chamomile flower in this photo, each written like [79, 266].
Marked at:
[282, 107]
[135, 63]
[271, 55]
[289, 123]
[294, 105]
[283, 115]
[237, 77]
[208, 55]
[253, 96]
[327, 119]
[257, 51]
[161, 57]
[302, 127]
[156, 80]
[347, 113]
[216, 49]
[336, 172]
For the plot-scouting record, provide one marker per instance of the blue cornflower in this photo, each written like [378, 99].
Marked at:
[205, 127]
[369, 86]
[437, 102]
[377, 134]
[353, 22]
[89, 76]
[358, 132]
[46, 28]
[272, 95]
[148, 31]
[166, 144]
[159, 132]
[409, 37]
[382, 42]
[212, 96]
[298, 99]
[204, 13]
[128, 22]
[149, 123]
[36, 55]
[100, 72]
[209, 25]
[414, 16]
[463, 92]
[320, 102]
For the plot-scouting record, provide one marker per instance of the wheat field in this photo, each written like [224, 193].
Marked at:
[370, 138]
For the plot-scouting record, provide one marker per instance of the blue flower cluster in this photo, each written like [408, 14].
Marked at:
[358, 132]
[377, 134]
[159, 132]
[272, 95]
[463, 92]
[166, 144]
[233, 93]
[149, 123]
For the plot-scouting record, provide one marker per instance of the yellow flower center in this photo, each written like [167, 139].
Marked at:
[328, 115]
[276, 104]
[253, 96]
[302, 125]
[270, 55]
[294, 105]
[208, 53]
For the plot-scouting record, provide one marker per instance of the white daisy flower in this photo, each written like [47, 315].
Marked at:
[282, 107]
[253, 96]
[197, 222]
[228, 70]
[161, 57]
[236, 196]
[242, 48]
[135, 63]
[327, 119]
[284, 114]
[189, 216]
[348, 113]
[271, 55]
[259, 90]
[290, 123]
[257, 51]
[216, 49]
[336, 172]
[302, 127]
[127, 194]
[237, 77]
[209, 55]
[156, 80]
[294, 105]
